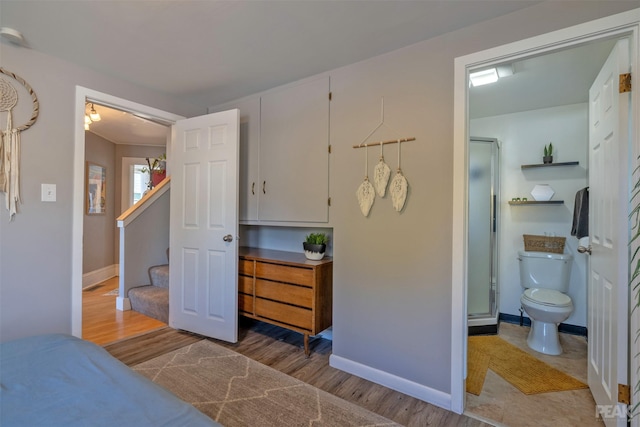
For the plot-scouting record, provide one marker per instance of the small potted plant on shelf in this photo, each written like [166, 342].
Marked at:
[548, 154]
[315, 245]
[157, 169]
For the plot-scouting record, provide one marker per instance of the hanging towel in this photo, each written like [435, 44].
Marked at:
[580, 226]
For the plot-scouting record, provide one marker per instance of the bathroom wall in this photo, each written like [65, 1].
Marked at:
[521, 137]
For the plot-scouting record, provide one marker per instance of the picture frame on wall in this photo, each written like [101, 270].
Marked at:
[96, 189]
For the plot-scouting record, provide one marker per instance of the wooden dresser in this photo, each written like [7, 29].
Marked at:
[286, 289]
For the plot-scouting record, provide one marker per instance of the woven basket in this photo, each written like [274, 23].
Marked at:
[533, 243]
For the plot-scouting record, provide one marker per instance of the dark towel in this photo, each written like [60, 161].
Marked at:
[580, 226]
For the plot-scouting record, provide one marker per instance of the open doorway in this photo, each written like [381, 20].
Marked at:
[117, 106]
[122, 143]
[624, 25]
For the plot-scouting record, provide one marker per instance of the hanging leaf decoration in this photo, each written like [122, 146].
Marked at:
[381, 174]
[398, 190]
[399, 186]
[366, 196]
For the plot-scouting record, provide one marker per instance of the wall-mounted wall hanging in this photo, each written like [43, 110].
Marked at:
[10, 140]
[381, 174]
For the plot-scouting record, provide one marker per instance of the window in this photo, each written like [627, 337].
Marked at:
[134, 181]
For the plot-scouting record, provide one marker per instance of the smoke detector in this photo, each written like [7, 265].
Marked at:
[14, 36]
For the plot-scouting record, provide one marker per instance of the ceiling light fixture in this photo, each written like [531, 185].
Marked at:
[93, 114]
[484, 77]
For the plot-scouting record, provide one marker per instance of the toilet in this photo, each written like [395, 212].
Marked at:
[545, 279]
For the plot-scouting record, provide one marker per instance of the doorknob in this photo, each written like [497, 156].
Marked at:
[583, 249]
[228, 238]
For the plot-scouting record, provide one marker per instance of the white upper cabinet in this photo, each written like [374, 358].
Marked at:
[249, 161]
[294, 153]
[284, 154]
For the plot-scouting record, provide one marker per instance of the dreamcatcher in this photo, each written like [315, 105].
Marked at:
[10, 141]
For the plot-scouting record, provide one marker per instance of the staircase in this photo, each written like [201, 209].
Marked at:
[153, 300]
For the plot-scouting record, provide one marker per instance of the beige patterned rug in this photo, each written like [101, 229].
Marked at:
[237, 391]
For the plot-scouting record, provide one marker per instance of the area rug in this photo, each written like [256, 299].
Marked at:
[525, 372]
[112, 292]
[237, 391]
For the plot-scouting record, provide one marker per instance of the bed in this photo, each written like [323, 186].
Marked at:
[60, 380]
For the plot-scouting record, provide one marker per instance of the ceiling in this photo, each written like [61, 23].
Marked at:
[210, 52]
[125, 128]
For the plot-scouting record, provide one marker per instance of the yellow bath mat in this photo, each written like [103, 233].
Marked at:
[523, 371]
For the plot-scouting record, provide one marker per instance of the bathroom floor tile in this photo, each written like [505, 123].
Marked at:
[507, 406]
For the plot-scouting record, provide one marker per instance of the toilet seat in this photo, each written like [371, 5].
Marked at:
[547, 297]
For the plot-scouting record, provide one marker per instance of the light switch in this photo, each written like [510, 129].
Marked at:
[48, 192]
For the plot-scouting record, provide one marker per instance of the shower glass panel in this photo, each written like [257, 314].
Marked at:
[482, 219]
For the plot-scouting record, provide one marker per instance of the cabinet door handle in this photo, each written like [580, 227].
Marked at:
[253, 188]
[264, 184]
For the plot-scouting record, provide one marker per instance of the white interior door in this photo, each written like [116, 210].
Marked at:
[608, 225]
[203, 295]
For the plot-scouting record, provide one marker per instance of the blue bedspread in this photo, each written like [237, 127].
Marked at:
[59, 380]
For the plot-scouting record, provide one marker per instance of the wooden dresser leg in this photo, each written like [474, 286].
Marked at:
[307, 352]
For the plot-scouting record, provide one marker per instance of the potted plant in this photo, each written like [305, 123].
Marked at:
[548, 154]
[157, 169]
[315, 245]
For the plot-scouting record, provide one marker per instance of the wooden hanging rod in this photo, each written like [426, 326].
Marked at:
[395, 141]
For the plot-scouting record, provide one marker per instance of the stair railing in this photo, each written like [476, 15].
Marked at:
[144, 239]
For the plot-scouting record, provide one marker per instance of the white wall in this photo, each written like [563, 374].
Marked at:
[35, 248]
[522, 137]
[392, 272]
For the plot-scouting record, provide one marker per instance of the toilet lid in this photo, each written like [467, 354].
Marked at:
[547, 297]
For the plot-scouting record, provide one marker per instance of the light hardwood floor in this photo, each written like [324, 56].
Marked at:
[102, 323]
[123, 335]
[134, 338]
[283, 350]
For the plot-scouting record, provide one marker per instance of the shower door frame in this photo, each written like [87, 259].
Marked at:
[490, 318]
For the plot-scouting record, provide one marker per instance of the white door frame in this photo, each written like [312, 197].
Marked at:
[623, 24]
[84, 95]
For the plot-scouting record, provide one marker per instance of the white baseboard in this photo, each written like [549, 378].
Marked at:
[429, 395]
[95, 277]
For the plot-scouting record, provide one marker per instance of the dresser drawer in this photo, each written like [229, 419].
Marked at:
[285, 273]
[245, 266]
[245, 303]
[291, 294]
[291, 315]
[245, 284]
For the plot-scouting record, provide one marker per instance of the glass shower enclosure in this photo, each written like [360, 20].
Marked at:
[482, 258]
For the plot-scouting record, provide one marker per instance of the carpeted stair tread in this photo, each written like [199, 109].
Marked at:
[525, 372]
[159, 275]
[152, 301]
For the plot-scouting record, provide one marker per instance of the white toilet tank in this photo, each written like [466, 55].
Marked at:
[545, 270]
